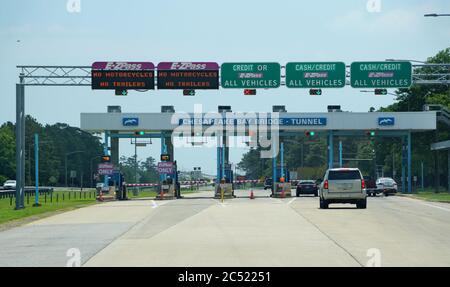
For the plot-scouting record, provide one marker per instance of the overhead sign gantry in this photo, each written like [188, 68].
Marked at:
[315, 75]
[188, 75]
[46, 75]
[381, 74]
[123, 75]
[250, 75]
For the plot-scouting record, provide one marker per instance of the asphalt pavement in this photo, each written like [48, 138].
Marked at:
[202, 231]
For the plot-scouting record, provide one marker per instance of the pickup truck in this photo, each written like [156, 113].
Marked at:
[371, 186]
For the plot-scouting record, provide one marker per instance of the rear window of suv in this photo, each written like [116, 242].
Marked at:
[343, 175]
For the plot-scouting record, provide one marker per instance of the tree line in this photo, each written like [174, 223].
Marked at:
[57, 143]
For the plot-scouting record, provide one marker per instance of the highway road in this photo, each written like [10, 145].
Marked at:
[202, 231]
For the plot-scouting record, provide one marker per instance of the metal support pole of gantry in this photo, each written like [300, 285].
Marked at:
[409, 163]
[20, 144]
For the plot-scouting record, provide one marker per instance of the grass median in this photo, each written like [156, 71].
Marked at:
[430, 194]
[50, 204]
[58, 201]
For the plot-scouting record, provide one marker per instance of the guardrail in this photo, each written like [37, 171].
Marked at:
[7, 193]
[444, 116]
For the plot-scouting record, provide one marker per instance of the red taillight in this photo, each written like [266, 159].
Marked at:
[363, 183]
[325, 184]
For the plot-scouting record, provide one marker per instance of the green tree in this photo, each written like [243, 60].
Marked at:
[7, 153]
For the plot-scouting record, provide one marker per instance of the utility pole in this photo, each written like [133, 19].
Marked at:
[421, 176]
[135, 162]
[66, 155]
[393, 163]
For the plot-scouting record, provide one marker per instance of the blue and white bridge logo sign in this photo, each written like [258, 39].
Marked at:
[130, 122]
[386, 121]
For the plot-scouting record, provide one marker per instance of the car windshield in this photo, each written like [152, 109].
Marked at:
[343, 174]
[387, 180]
[307, 182]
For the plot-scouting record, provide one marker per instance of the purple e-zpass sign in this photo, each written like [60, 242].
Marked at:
[188, 75]
[165, 167]
[123, 75]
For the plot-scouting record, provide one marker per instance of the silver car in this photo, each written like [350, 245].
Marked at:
[343, 185]
[386, 185]
[9, 184]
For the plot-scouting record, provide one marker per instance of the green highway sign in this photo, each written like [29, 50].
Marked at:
[315, 75]
[250, 75]
[381, 74]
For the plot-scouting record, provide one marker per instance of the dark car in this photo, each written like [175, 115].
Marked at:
[268, 183]
[307, 187]
[371, 186]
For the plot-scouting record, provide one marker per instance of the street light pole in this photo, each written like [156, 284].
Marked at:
[91, 174]
[436, 15]
[66, 155]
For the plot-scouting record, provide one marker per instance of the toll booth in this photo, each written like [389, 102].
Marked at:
[169, 187]
[225, 188]
[116, 181]
[282, 185]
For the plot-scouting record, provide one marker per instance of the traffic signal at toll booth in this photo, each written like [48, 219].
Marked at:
[165, 157]
[139, 133]
[380, 92]
[106, 158]
[250, 92]
[370, 134]
[315, 92]
[120, 92]
[188, 92]
[310, 133]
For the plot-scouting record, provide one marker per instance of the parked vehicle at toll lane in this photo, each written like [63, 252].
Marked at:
[268, 183]
[307, 187]
[343, 185]
[386, 185]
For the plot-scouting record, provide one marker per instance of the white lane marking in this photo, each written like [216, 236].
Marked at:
[430, 205]
[223, 204]
[154, 204]
[292, 200]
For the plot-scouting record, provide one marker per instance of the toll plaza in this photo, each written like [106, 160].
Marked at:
[191, 76]
[265, 129]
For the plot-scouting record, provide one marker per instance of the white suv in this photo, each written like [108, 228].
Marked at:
[343, 185]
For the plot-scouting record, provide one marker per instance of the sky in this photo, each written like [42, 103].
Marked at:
[45, 32]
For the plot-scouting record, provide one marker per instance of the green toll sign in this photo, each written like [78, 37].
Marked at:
[250, 75]
[381, 74]
[315, 75]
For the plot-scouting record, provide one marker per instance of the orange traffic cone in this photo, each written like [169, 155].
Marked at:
[252, 196]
